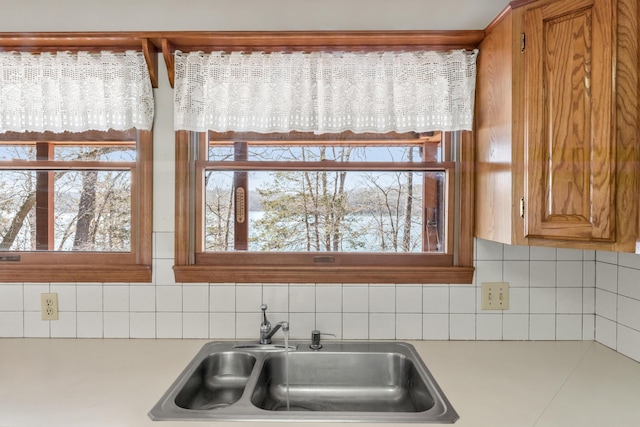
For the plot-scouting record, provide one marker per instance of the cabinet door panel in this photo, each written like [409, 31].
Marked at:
[569, 137]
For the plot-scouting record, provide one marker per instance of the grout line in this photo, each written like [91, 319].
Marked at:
[564, 383]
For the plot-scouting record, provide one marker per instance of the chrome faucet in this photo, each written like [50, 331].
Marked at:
[265, 327]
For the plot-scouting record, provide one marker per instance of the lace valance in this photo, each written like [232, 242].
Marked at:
[325, 92]
[74, 92]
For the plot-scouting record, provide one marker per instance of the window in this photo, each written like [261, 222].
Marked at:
[299, 207]
[323, 206]
[80, 200]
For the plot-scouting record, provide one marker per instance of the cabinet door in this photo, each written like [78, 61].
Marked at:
[569, 120]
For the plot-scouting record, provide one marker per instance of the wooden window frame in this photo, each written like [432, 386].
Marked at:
[192, 264]
[133, 266]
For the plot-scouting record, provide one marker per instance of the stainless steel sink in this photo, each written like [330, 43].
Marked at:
[344, 381]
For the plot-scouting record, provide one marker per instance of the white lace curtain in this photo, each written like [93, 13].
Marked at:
[325, 92]
[74, 92]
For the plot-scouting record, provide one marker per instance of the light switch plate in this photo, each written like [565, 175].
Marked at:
[495, 296]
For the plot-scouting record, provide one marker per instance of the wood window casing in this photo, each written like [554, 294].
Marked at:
[195, 264]
[45, 265]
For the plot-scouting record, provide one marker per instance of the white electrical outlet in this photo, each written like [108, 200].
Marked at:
[495, 295]
[49, 304]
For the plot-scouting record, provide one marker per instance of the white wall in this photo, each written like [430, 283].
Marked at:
[210, 15]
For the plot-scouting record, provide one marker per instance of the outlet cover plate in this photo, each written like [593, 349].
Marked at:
[495, 296]
[49, 305]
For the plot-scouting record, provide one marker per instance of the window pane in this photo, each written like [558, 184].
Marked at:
[122, 153]
[343, 211]
[338, 153]
[91, 210]
[17, 152]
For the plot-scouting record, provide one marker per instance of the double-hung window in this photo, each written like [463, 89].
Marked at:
[75, 207]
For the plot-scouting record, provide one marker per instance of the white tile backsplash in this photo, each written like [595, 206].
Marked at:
[555, 294]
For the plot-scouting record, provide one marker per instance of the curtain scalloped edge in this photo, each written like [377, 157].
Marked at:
[75, 92]
[325, 92]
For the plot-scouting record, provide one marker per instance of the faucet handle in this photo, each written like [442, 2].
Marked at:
[264, 307]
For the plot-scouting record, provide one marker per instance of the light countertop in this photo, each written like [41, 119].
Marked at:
[95, 382]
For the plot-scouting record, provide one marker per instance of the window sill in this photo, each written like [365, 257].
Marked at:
[315, 274]
[75, 273]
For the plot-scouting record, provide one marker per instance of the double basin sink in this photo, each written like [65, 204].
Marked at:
[344, 381]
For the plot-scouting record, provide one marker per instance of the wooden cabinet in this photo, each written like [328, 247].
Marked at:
[556, 125]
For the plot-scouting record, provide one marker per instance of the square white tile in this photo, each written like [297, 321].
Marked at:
[542, 274]
[435, 299]
[11, 324]
[355, 326]
[11, 297]
[90, 325]
[142, 325]
[169, 298]
[222, 325]
[629, 282]
[195, 325]
[569, 327]
[462, 326]
[355, 299]
[516, 273]
[142, 298]
[569, 274]
[542, 300]
[222, 298]
[116, 324]
[302, 298]
[462, 299]
[435, 326]
[408, 299]
[89, 297]
[195, 298]
[629, 342]
[606, 304]
[569, 254]
[408, 326]
[489, 326]
[542, 327]
[163, 272]
[607, 277]
[629, 312]
[115, 298]
[169, 325]
[248, 298]
[382, 299]
[329, 298]
[382, 326]
[515, 327]
[569, 300]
